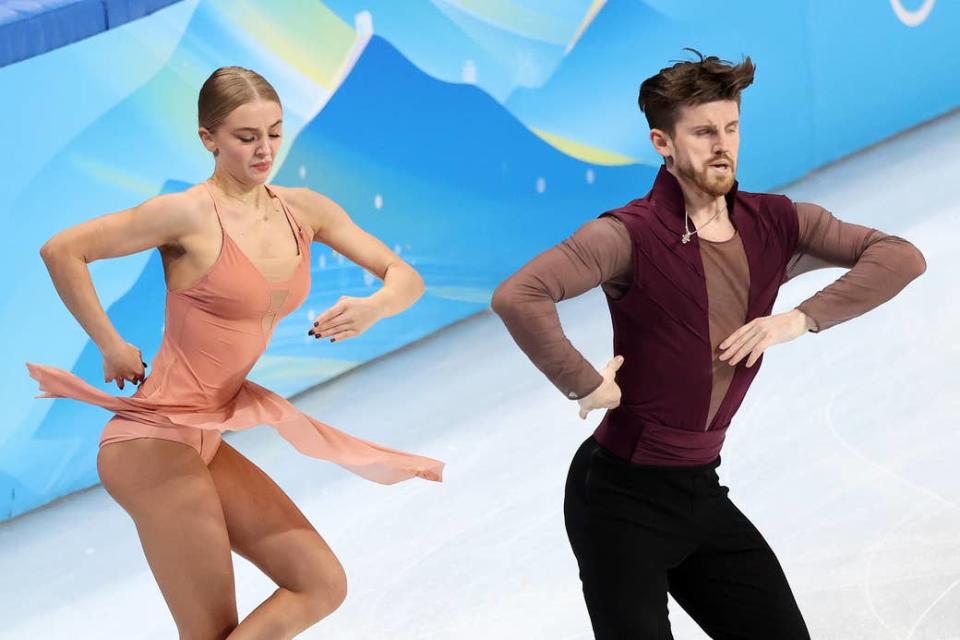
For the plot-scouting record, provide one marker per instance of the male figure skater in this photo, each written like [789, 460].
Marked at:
[690, 271]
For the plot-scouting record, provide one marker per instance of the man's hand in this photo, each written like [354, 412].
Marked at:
[607, 395]
[753, 338]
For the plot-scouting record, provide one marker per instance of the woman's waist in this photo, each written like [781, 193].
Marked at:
[172, 400]
[176, 383]
[209, 359]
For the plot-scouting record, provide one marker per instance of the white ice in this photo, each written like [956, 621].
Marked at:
[844, 454]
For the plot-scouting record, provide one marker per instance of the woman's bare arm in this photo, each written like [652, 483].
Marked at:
[160, 221]
[402, 285]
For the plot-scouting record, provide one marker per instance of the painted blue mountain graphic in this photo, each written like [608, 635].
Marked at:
[445, 169]
[464, 46]
[440, 172]
[592, 96]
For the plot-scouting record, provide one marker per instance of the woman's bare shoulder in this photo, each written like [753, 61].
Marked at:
[301, 197]
[174, 216]
[190, 203]
[164, 220]
[311, 208]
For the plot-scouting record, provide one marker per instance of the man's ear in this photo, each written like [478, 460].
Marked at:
[662, 144]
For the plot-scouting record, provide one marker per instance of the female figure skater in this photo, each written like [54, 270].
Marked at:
[236, 257]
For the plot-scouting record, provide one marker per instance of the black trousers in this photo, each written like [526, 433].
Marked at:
[641, 531]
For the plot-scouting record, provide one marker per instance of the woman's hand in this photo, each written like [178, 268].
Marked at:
[607, 395]
[753, 338]
[123, 361]
[348, 318]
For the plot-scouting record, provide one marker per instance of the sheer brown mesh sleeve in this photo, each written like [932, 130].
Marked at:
[599, 253]
[880, 265]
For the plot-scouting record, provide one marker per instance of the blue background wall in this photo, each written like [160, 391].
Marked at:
[467, 135]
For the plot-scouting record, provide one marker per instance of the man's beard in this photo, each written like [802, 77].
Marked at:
[712, 183]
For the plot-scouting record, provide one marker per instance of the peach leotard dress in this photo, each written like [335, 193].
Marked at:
[214, 333]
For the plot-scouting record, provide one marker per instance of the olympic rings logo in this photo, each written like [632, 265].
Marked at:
[912, 18]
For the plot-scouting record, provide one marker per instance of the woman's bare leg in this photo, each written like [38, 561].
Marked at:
[269, 530]
[169, 493]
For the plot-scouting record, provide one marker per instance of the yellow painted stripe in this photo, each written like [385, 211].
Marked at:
[587, 20]
[303, 33]
[584, 152]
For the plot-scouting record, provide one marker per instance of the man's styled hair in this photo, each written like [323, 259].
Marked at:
[689, 83]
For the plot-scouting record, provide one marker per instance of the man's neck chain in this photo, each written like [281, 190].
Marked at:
[685, 238]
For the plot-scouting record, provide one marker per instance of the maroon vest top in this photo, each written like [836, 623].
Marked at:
[661, 325]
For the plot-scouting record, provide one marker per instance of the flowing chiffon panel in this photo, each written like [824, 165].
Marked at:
[254, 405]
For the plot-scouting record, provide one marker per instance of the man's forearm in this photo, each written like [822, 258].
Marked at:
[530, 316]
[598, 253]
[881, 272]
[880, 265]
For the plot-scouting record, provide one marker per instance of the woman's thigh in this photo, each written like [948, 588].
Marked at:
[268, 529]
[169, 492]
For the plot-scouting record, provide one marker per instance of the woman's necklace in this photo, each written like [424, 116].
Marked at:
[685, 238]
[265, 215]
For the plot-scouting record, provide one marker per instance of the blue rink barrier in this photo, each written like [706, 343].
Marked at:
[31, 27]
[446, 162]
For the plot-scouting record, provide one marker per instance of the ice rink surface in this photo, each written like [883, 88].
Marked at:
[844, 454]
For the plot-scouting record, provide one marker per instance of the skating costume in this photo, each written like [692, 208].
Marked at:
[214, 333]
[644, 510]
